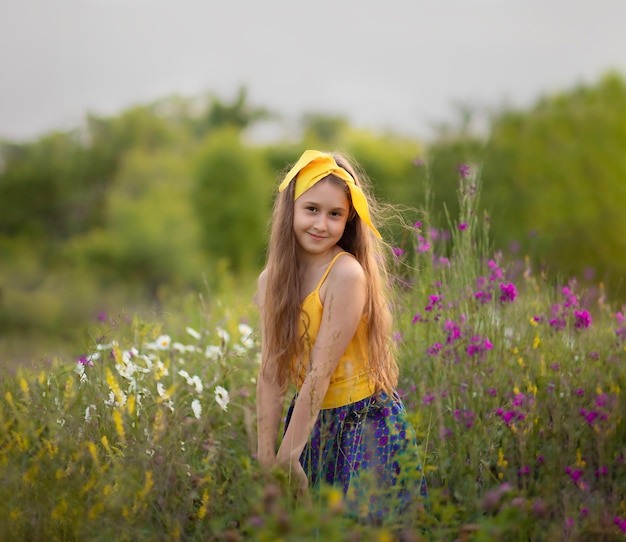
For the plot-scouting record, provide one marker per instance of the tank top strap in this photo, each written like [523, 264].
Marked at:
[330, 266]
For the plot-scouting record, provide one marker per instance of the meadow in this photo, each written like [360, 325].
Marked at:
[512, 380]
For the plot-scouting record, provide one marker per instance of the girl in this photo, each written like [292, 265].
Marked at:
[325, 324]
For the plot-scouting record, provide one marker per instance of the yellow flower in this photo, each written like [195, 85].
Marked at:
[536, 342]
[119, 424]
[25, 388]
[579, 460]
[204, 504]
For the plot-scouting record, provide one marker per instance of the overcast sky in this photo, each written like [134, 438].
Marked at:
[397, 64]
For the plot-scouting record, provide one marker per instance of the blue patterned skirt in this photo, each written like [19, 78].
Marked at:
[369, 450]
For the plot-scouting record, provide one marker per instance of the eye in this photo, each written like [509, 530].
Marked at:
[311, 208]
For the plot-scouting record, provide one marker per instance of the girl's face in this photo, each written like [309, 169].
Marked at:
[320, 216]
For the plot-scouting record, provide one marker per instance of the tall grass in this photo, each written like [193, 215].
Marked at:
[512, 382]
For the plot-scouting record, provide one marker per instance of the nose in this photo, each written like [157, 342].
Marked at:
[320, 223]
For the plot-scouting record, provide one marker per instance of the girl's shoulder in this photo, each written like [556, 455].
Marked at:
[346, 271]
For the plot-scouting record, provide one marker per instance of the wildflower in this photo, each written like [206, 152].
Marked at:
[197, 383]
[196, 407]
[508, 292]
[397, 251]
[463, 226]
[213, 352]
[496, 272]
[428, 398]
[602, 400]
[432, 301]
[582, 319]
[483, 296]
[222, 397]
[86, 361]
[434, 349]
[163, 342]
[246, 335]
[193, 333]
[223, 334]
[453, 331]
[422, 245]
[417, 225]
[464, 170]
[161, 391]
[102, 317]
[417, 318]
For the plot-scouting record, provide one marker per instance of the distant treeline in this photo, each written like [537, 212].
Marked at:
[172, 196]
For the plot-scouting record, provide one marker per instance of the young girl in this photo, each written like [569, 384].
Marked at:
[326, 323]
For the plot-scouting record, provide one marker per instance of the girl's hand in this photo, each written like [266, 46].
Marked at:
[300, 484]
[298, 481]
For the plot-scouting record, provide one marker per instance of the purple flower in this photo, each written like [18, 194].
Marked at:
[434, 349]
[463, 226]
[422, 244]
[85, 361]
[558, 323]
[492, 391]
[508, 292]
[397, 251]
[508, 416]
[417, 225]
[417, 318]
[496, 272]
[428, 398]
[583, 319]
[602, 471]
[464, 170]
[579, 391]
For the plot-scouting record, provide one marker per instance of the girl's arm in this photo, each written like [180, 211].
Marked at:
[343, 309]
[270, 396]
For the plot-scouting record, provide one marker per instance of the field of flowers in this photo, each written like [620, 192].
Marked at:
[513, 384]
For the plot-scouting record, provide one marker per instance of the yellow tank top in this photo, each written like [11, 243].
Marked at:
[352, 380]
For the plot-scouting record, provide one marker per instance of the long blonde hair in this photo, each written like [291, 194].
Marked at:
[282, 307]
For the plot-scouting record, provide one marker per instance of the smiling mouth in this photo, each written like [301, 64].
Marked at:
[316, 236]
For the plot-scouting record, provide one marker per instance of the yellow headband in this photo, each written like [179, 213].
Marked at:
[312, 167]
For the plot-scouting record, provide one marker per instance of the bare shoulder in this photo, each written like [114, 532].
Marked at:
[347, 272]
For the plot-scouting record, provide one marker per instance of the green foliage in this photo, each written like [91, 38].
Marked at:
[554, 179]
[232, 197]
[565, 173]
[151, 238]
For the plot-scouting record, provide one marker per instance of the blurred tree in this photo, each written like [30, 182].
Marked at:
[238, 115]
[326, 129]
[151, 237]
[555, 179]
[232, 185]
